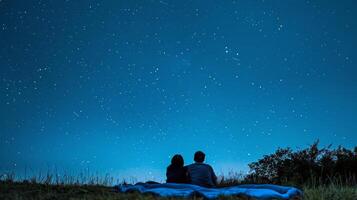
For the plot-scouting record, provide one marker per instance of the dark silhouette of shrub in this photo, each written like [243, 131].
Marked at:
[306, 166]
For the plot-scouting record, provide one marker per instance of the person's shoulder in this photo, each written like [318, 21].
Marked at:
[168, 168]
[192, 166]
[171, 167]
[189, 166]
[205, 164]
[208, 166]
[199, 166]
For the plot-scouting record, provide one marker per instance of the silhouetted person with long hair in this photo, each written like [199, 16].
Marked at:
[200, 173]
[176, 172]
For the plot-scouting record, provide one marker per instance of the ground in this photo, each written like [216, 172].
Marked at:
[31, 191]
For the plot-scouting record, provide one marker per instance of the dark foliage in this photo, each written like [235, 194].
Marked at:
[306, 166]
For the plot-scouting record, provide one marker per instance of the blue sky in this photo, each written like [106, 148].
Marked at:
[121, 86]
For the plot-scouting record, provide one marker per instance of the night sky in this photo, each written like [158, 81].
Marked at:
[120, 86]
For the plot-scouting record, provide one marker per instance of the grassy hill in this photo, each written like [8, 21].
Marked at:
[41, 191]
[323, 174]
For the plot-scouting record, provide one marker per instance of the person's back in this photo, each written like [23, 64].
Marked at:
[201, 174]
[176, 172]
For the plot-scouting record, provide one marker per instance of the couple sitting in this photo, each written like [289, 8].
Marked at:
[197, 173]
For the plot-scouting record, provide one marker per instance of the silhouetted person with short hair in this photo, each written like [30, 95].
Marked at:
[176, 172]
[200, 173]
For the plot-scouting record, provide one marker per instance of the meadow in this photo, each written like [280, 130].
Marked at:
[322, 174]
[98, 189]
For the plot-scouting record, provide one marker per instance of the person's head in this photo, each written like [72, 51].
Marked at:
[199, 157]
[177, 160]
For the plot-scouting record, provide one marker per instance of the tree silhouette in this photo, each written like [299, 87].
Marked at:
[305, 166]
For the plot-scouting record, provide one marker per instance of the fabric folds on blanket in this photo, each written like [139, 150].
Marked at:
[257, 191]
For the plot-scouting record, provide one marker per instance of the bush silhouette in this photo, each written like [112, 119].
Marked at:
[306, 166]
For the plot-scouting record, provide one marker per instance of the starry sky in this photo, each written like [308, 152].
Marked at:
[120, 86]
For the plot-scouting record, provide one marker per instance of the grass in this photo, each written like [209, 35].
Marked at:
[37, 191]
[94, 188]
[330, 192]
[40, 191]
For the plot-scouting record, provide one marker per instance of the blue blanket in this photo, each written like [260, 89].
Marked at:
[262, 191]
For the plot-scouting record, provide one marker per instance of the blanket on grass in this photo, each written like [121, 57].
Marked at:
[256, 191]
